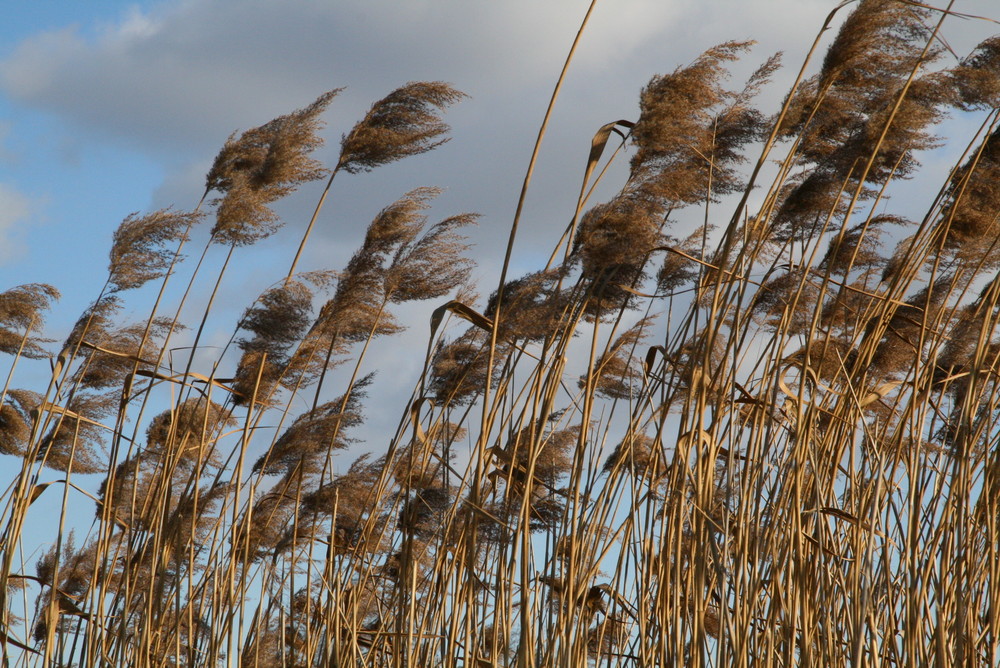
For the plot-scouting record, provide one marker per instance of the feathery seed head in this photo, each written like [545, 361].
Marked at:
[977, 78]
[261, 166]
[139, 253]
[274, 155]
[857, 248]
[900, 346]
[787, 301]
[74, 443]
[20, 314]
[403, 123]
[639, 454]
[878, 36]
[315, 433]
[459, 368]
[431, 266]
[278, 318]
[112, 354]
[612, 246]
[95, 322]
[691, 130]
[257, 376]
[971, 220]
[532, 306]
[349, 502]
[676, 269]
[16, 418]
[399, 223]
[189, 430]
[618, 373]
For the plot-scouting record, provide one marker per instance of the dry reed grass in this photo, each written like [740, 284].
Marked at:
[796, 462]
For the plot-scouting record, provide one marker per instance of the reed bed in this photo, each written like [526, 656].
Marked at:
[748, 414]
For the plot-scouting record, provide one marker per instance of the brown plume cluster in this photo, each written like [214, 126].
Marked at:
[261, 166]
[21, 315]
[403, 123]
[689, 141]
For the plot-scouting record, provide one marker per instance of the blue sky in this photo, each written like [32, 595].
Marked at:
[56, 184]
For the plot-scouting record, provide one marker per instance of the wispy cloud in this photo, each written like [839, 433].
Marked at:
[15, 208]
[188, 71]
[175, 80]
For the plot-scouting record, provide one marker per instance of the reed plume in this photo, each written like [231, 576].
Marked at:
[977, 78]
[863, 116]
[689, 140]
[138, 250]
[260, 166]
[618, 373]
[395, 264]
[459, 368]
[534, 305]
[188, 431]
[969, 223]
[278, 320]
[403, 123]
[21, 314]
[314, 434]
[16, 418]
[691, 127]
[347, 503]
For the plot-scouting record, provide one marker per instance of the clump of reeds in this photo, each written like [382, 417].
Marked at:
[767, 437]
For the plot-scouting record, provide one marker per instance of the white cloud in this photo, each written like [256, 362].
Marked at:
[175, 80]
[5, 128]
[187, 72]
[15, 207]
